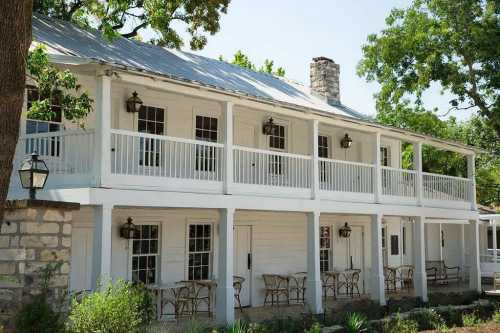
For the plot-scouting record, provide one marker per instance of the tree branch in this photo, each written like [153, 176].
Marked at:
[74, 8]
[133, 33]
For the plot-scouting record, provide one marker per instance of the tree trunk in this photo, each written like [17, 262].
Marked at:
[15, 39]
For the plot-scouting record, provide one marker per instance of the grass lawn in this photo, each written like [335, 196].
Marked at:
[489, 327]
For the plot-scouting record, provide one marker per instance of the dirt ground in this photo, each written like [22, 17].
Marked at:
[490, 327]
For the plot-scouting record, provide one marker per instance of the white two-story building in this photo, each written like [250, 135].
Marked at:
[227, 171]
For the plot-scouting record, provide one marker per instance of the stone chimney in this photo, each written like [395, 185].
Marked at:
[324, 75]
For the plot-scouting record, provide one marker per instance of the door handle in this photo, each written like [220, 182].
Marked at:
[249, 261]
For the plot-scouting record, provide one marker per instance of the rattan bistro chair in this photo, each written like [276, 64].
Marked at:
[329, 283]
[237, 285]
[297, 284]
[275, 286]
[404, 276]
[390, 279]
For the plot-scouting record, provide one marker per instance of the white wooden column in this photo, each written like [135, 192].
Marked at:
[101, 247]
[228, 147]
[225, 292]
[377, 292]
[471, 173]
[313, 281]
[475, 270]
[315, 159]
[419, 258]
[417, 161]
[377, 170]
[461, 246]
[494, 231]
[102, 158]
[440, 242]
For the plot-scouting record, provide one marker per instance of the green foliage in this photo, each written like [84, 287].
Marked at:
[119, 308]
[496, 317]
[471, 319]
[242, 60]
[453, 44]
[128, 17]
[428, 319]
[55, 87]
[41, 315]
[315, 328]
[400, 325]
[355, 323]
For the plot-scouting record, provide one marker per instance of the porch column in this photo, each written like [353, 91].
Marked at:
[417, 161]
[494, 231]
[475, 270]
[101, 248]
[228, 147]
[377, 177]
[419, 258]
[224, 311]
[313, 287]
[102, 158]
[462, 246]
[471, 173]
[377, 292]
[315, 160]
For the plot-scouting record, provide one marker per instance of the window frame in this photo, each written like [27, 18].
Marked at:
[210, 253]
[151, 159]
[328, 147]
[387, 158]
[158, 254]
[328, 250]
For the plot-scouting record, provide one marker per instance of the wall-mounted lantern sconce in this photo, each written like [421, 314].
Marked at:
[346, 142]
[33, 174]
[345, 231]
[134, 103]
[129, 230]
[268, 128]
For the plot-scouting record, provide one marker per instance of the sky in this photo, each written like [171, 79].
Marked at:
[292, 32]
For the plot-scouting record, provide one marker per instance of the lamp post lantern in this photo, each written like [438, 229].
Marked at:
[33, 174]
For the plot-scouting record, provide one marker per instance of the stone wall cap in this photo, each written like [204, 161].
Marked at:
[35, 203]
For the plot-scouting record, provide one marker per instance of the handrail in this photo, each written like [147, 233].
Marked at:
[166, 138]
[272, 152]
[398, 169]
[57, 133]
[322, 159]
[444, 176]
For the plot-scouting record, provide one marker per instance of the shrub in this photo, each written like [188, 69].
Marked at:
[400, 325]
[117, 308]
[315, 328]
[42, 313]
[471, 320]
[496, 317]
[428, 319]
[355, 323]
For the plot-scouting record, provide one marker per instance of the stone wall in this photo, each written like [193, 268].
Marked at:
[324, 75]
[33, 234]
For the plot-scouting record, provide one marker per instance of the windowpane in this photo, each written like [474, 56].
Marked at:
[200, 237]
[325, 248]
[145, 251]
[151, 120]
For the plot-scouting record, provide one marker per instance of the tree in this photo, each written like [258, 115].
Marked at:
[451, 43]
[242, 60]
[128, 17]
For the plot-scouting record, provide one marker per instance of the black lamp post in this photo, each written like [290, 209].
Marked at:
[33, 174]
[346, 141]
[134, 103]
[268, 128]
[345, 231]
[128, 230]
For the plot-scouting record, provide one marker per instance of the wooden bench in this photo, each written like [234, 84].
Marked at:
[438, 272]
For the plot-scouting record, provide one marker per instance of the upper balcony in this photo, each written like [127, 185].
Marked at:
[212, 144]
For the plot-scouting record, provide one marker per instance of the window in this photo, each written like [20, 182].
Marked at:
[383, 238]
[200, 251]
[145, 254]
[323, 146]
[385, 156]
[324, 248]
[206, 130]
[277, 142]
[442, 238]
[44, 146]
[151, 120]
[394, 245]
[404, 240]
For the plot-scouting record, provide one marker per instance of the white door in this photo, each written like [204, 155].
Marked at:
[81, 259]
[243, 260]
[355, 253]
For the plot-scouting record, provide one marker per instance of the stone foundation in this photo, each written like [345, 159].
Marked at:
[33, 234]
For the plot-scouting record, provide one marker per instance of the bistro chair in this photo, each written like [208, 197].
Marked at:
[237, 285]
[390, 279]
[178, 298]
[297, 285]
[329, 283]
[405, 276]
[200, 296]
[349, 280]
[274, 287]
[496, 281]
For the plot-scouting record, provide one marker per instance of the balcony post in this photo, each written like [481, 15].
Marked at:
[225, 291]
[417, 162]
[228, 147]
[419, 258]
[315, 159]
[475, 272]
[313, 287]
[101, 248]
[471, 173]
[377, 176]
[494, 233]
[377, 291]
[102, 158]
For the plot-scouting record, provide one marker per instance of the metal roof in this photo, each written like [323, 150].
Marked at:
[64, 38]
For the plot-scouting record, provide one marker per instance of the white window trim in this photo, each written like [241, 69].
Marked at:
[330, 143]
[281, 122]
[158, 256]
[135, 116]
[209, 114]
[330, 252]
[212, 250]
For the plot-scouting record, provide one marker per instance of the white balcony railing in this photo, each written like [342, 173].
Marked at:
[65, 153]
[441, 187]
[264, 167]
[399, 182]
[142, 154]
[72, 153]
[343, 176]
